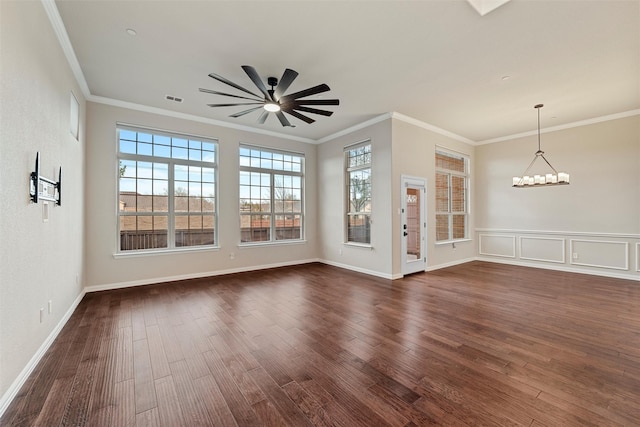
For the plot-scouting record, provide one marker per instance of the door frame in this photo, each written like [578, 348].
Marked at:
[420, 264]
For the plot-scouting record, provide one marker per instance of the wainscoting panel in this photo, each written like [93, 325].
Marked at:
[600, 253]
[547, 249]
[497, 245]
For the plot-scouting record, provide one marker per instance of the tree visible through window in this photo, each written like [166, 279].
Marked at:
[452, 198]
[271, 195]
[166, 189]
[358, 170]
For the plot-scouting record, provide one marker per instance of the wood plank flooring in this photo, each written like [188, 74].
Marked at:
[476, 344]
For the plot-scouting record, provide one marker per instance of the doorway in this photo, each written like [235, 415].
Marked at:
[414, 226]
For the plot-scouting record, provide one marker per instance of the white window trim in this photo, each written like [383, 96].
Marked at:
[467, 180]
[170, 212]
[273, 214]
[347, 189]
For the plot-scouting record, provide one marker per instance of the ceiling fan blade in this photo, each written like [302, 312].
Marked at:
[283, 119]
[242, 113]
[233, 105]
[285, 81]
[232, 84]
[307, 92]
[299, 116]
[255, 78]
[314, 111]
[317, 102]
[263, 117]
[215, 92]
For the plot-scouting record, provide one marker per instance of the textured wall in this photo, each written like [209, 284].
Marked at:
[38, 261]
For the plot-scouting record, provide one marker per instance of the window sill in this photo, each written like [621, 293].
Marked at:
[143, 253]
[359, 245]
[448, 242]
[276, 243]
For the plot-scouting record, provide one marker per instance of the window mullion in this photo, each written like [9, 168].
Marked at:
[272, 207]
[171, 215]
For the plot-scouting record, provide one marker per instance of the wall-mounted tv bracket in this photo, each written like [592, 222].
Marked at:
[41, 188]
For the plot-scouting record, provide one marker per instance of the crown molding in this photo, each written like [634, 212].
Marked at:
[63, 38]
[194, 118]
[366, 123]
[562, 127]
[432, 128]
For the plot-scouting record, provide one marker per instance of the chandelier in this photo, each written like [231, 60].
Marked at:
[554, 178]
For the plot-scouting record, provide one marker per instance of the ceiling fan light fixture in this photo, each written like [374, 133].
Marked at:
[274, 100]
[272, 107]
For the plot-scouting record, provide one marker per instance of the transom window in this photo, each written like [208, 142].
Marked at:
[358, 174]
[452, 196]
[271, 195]
[166, 190]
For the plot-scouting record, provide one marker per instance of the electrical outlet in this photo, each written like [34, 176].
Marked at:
[232, 255]
[340, 251]
[575, 255]
[50, 306]
[41, 314]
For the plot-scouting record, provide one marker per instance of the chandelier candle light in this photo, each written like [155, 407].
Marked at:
[555, 178]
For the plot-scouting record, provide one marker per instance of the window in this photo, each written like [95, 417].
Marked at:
[452, 197]
[166, 189]
[358, 172]
[271, 189]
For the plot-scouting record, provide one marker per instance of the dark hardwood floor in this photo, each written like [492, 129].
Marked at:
[476, 344]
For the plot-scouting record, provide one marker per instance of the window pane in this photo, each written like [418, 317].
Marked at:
[262, 192]
[142, 232]
[360, 191]
[145, 188]
[358, 163]
[194, 230]
[442, 192]
[127, 147]
[442, 227]
[288, 227]
[457, 194]
[459, 226]
[255, 228]
[145, 149]
[127, 168]
[195, 204]
[359, 229]
[450, 162]
[194, 233]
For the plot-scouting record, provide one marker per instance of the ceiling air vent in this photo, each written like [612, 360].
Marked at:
[173, 98]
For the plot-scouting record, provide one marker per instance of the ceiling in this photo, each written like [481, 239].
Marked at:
[437, 61]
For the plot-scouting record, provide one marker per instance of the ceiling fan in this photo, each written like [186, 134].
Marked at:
[274, 100]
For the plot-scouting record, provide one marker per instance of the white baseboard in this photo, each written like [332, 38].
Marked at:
[155, 280]
[17, 384]
[362, 270]
[449, 264]
[557, 267]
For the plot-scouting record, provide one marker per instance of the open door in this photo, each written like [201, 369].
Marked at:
[414, 226]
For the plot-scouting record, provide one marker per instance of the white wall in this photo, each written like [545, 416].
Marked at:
[38, 261]
[106, 271]
[596, 217]
[414, 150]
[398, 148]
[377, 259]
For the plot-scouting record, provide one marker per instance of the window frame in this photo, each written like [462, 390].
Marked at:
[170, 213]
[347, 197]
[272, 213]
[466, 176]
